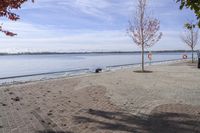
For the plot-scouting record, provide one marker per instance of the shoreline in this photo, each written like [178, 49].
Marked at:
[63, 75]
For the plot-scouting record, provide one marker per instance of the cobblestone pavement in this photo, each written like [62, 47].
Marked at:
[85, 105]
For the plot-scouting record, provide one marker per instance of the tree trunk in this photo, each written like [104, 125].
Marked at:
[142, 12]
[192, 45]
[192, 55]
[142, 57]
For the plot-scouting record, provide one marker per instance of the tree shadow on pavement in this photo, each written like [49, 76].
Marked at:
[154, 123]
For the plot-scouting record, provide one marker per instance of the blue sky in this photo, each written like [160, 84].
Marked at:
[89, 25]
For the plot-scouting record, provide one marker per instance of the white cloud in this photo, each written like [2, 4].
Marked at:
[84, 41]
[45, 37]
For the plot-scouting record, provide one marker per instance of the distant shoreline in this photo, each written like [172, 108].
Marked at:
[111, 52]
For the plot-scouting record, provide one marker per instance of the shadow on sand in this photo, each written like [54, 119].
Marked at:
[140, 71]
[50, 131]
[155, 123]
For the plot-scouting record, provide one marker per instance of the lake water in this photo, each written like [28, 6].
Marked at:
[14, 67]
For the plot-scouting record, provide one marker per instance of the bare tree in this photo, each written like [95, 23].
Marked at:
[190, 37]
[144, 29]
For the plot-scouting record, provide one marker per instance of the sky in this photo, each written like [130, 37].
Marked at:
[89, 25]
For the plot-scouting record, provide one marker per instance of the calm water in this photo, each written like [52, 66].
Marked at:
[20, 65]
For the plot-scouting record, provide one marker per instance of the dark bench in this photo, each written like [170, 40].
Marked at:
[98, 70]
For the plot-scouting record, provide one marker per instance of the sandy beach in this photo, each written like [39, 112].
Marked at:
[166, 100]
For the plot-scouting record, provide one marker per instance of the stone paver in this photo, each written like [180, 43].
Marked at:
[173, 118]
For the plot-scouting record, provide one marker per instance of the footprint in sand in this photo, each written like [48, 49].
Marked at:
[50, 113]
[11, 93]
[16, 99]
[3, 104]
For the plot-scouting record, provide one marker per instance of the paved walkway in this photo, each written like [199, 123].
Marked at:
[106, 103]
